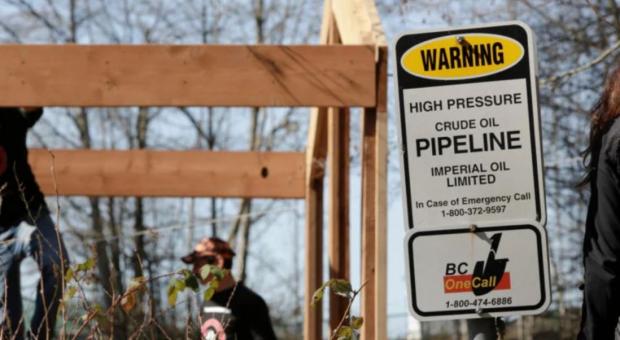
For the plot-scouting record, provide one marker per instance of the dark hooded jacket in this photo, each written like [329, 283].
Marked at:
[22, 200]
[601, 248]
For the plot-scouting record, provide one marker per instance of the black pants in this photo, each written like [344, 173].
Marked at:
[601, 303]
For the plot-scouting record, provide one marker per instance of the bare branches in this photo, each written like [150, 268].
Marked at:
[552, 81]
[40, 17]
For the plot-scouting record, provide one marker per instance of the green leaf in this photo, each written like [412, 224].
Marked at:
[318, 295]
[218, 272]
[341, 287]
[192, 282]
[89, 264]
[172, 293]
[172, 298]
[205, 271]
[357, 322]
[86, 266]
[171, 286]
[209, 269]
[69, 275]
[345, 332]
[179, 285]
[208, 294]
[213, 285]
[97, 308]
[70, 293]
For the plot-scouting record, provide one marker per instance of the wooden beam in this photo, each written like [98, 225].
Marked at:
[313, 316]
[338, 225]
[359, 23]
[169, 173]
[186, 75]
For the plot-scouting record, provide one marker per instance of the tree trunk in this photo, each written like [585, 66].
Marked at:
[140, 258]
[82, 124]
[243, 246]
[120, 325]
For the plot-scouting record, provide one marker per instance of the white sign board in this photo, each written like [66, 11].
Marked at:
[472, 156]
[494, 272]
[470, 134]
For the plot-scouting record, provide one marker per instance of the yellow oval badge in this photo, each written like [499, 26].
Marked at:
[462, 56]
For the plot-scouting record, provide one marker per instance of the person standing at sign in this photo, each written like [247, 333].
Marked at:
[601, 247]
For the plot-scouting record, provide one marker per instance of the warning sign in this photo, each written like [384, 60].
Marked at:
[469, 126]
[492, 272]
[472, 172]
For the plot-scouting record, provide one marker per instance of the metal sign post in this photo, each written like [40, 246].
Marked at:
[473, 186]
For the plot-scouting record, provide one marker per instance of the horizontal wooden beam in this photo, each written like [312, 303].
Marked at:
[187, 75]
[169, 173]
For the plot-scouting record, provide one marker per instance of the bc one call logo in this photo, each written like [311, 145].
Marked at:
[487, 275]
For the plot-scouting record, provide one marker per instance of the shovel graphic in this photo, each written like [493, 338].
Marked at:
[490, 274]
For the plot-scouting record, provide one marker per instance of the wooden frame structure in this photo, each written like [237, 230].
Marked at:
[348, 69]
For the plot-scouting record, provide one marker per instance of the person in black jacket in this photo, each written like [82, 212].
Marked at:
[234, 311]
[601, 247]
[26, 229]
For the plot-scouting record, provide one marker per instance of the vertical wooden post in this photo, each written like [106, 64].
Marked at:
[315, 157]
[374, 217]
[369, 223]
[313, 316]
[338, 227]
[313, 257]
[380, 255]
[358, 23]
